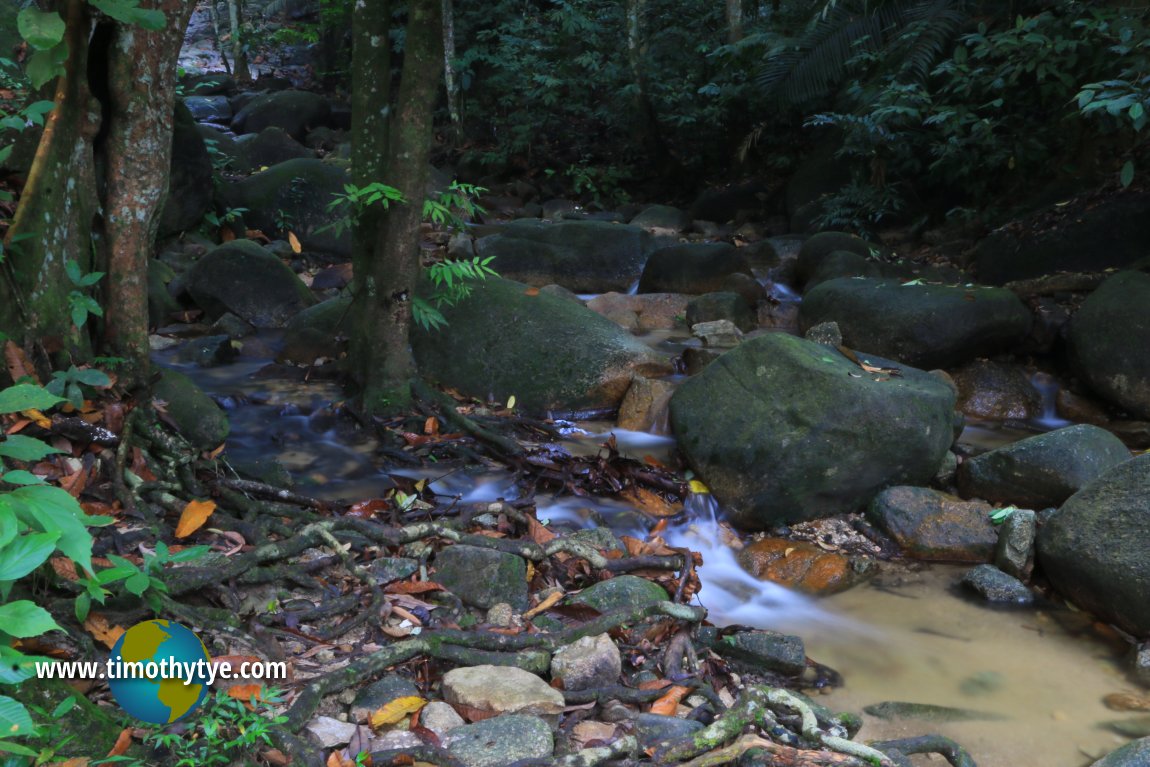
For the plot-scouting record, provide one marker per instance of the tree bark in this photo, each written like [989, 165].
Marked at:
[647, 123]
[450, 76]
[383, 320]
[734, 21]
[141, 83]
[239, 57]
[53, 222]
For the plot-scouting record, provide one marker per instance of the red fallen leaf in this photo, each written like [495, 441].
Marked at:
[655, 684]
[123, 740]
[538, 532]
[412, 587]
[431, 425]
[669, 703]
[416, 440]
[368, 509]
[426, 735]
[472, 714]
[531, 292]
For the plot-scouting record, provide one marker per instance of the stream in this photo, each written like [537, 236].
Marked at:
[906, 635]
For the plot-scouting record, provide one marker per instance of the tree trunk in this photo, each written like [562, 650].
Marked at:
[450, 76]
[138, 147]
[647, 124]
[240, 69]
[53, 222]
[383, 320]
[734, 21]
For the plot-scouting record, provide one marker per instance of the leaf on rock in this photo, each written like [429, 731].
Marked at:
[106, 633]
[193, 517]
[669, 703]
[396, 710]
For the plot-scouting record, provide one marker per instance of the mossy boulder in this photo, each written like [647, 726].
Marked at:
[819, 247]
[927, 326]
[190, 189]
[243, 278]
[997, 391]
[783, 429]
[692, 268]
[621, 593]
[295, 195]
[662, 217]
[552, 354]
[294, 111]
[1110, 341]
[1093, 549]
[928, 524]
[582, 256]
[483, 577]
[723, 305]
[1043, 470]
[312, 333]
[161, 303]
[195, 414]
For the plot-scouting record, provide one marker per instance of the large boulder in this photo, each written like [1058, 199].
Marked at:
[997, 391]
[1093, 549]
[927, 326]
[583, 256]
[194, 413]
[692, 268]
[242, 278]
[294, 111]
[782, 429]
[190, 183]
[820, 247]
[552, 354]
[1110, 341]
[294, 196]
[272, 146]
[1044, 470]
[1133, 754]
[1086, 235]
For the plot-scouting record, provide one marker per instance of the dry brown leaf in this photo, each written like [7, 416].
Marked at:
[396, 711]
[123, 741]
[193, 517]
[538, 532]
[531, 292]
[551, 600]
[275, 757]
[431, 425]
[367, 509]
[246, 692]
[294, 242]
[412, 587]
[18, 364]
[226, 234]
[651, 502]
[473, 714]
[338, 759]
[76, 761]
[107, 634]
[65, 568]
[669, 703]
[655, 684]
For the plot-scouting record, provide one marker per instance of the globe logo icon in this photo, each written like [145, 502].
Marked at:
[159, 671]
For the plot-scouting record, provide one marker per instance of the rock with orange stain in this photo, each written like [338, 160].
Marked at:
[798, 565]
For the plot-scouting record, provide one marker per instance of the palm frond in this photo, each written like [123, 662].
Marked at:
[810, 66]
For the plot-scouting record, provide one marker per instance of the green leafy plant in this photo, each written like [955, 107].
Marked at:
[998, 516]
[143, 581]
[228, 216]
[451, 281]
[454, 207]
[348, 206]
[68, 384]
[224, 731]
[80, 303]
[36, 520]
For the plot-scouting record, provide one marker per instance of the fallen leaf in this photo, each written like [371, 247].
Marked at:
[431, 425]
[64, 568]
[337, 759]
[123, 741]
[655, 684]
[531, 292]
[651, 502]
[246, 692]
[193, 517]
[294, 242]
[396, 710]
[18, 364]
[226, 234]
[367, 509]
[276, 757]
[412, 587]
[550, 601]
[473, 714]
[108, 634]
[669, 703]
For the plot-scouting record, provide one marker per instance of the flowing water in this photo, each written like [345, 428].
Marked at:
[906, 636]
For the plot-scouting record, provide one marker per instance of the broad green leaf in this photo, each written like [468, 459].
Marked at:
[137, 584]
[42, 29]
[45, 66]
[129, 12]
[83, 606]
[26, 397]
[25, 554]
[50, 509]
[92, 377]
[8, 525]
[1127, 174]
[21, 477]
[14, 720]
[24, 618]
[15, 666]
[26, 448]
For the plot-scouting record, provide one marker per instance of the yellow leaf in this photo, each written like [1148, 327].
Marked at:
[294, 242]
[38, 418]
[395, 711]
[108, 634]
[193, 517]
[698, 487]
[511, 402]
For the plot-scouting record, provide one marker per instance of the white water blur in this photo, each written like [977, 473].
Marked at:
[734, 596]
[1047, 386]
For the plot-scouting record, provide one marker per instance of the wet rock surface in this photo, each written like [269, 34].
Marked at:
[928, 524]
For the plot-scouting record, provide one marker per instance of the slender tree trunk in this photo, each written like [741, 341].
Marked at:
[214, 12]
[239, 56]
[387, 289]
[370, 110]
[53, 222]
[647, 124]
[138, 147]
[734, 21]
[450, 76]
